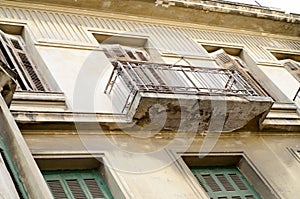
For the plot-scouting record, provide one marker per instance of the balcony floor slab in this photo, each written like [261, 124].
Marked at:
[201, 113]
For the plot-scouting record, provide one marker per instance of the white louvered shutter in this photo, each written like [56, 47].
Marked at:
[116, 52]
[293, 67]
[235, 63]
[15, 56]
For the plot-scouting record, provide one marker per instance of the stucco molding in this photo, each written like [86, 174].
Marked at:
[147, 20]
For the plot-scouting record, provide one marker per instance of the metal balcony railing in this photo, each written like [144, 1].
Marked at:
[129, 78]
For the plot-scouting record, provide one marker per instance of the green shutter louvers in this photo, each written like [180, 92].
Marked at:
[224, 183]
[77, 184]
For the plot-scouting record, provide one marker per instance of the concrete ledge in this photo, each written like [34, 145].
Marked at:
[199, 112]
[282, 117]
[38, 101]
[169, 112]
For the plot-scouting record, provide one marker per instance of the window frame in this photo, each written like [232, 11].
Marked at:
[63, 176]
[295, 151]
[214, 172]
[233, 61]
[265, 82]
[126, 39]
[125, 53]
[12, 171]
[83, 160]
[284, 57]
[239, 159]
[11, 55]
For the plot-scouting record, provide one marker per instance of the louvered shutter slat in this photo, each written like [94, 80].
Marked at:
[124, 53]
[12, 61]
[224, 182]
[234, 63]
[94, 188]
[118, 52]
[141, 56]
[28, 66]
[224, 58]
[57, 189]
[237, 180]
[76, 189]
[16, 44]
[211, 183]
[77, 184]
[18, 61]
[130, 54]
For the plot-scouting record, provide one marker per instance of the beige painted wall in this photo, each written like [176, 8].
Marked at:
[145, 167]
[81, 75]
[282, 79]
[49, 29]
[142, 166]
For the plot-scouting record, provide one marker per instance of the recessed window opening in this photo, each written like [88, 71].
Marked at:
[13, 53]
[71, 184]
[118, 47]
[236, 64]
[291, 63]
[228, 177]
[73, 178]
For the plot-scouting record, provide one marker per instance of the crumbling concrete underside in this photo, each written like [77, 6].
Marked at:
[186, 113]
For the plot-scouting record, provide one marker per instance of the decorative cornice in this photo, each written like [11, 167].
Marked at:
[164, 16]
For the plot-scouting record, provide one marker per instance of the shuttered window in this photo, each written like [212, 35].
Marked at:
[13, 54]
[124, 53]
[236, 64]
[295, 153]
[224, 183]
[293, 67]
[77, 184]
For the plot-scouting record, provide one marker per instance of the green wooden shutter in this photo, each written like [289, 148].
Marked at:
[224, 183]
[77, 184]
[15, 56]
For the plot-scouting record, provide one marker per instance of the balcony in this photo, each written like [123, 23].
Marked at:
[186, 97]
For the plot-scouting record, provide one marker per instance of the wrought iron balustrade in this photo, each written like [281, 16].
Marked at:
[131, 77]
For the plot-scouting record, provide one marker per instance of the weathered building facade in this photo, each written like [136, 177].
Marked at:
[148, 99]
